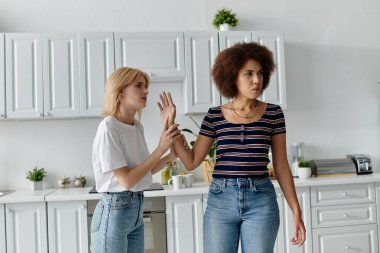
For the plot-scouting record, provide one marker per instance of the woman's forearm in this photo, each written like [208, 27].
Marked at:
[285, 179]
[186, 155]
[129, 177]
[161, 164]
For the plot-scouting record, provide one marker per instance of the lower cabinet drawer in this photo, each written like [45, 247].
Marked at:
[343, 215]
[332, 195]
[358, 239]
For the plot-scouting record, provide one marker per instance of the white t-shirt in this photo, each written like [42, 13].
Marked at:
[117, 145]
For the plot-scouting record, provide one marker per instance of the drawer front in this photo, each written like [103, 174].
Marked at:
[358, 239]
[342, 194]
[329, 216]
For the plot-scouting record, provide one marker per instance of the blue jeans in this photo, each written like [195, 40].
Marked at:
[242, 207]
[117, 225]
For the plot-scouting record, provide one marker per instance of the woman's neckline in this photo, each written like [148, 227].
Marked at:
[259, 119]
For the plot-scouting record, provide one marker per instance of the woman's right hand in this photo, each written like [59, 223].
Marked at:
[168, 136]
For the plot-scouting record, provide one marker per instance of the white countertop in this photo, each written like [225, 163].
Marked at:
[22, 196]
[71, 194]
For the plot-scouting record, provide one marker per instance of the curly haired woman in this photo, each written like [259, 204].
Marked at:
[242, 201]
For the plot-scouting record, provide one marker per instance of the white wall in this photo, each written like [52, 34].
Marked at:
[332, 66]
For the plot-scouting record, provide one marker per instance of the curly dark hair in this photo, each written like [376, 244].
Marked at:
[229, 62]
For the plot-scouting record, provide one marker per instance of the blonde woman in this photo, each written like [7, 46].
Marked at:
[122, 165]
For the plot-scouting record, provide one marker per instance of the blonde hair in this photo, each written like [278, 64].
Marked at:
[116, 82]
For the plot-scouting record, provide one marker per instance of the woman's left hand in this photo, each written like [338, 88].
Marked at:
[299, 231]
[167, 108]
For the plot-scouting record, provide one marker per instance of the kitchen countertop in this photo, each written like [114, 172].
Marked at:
[72, 194]
[22, 196]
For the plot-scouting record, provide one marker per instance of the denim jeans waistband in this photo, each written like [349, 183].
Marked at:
[240, 182]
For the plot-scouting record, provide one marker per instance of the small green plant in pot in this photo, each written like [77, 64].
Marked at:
[304, 170]
[224, 19]
[36, 176]
[209, 163]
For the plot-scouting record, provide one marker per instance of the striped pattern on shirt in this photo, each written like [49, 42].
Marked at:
[242, 149]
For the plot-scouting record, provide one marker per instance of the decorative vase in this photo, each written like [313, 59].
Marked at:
[36, 186]
[304, 172]
[225, 27]
[208, 168]
[64, 182]
[79, 181]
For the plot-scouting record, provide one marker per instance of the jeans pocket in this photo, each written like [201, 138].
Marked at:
[264, 185]
[97, 217]
[122, 201]
[216, 187]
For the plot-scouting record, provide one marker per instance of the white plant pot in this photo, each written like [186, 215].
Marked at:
[225, 27]
[303, 172]
[36, 186]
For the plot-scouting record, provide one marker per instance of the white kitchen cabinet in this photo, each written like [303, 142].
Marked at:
[377, 185]
[230, 38]
[184, 221]
[361, 238]
[2, 229]
[160, 54]
[26, 227]
[67, 226]
[200, 92]
[60, 75]
[24, 88]
[276, 91]
[286, 229]
[2, 77]
[97, 62]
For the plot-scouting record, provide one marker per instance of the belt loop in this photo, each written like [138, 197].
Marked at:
[250, 183]
[238, 182]
[224, 183]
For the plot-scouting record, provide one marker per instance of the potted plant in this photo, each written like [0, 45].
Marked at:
[36, 176]
[209, 163]
[304, 170]
[224, 19]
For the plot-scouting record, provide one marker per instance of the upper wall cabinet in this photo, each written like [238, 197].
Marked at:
[276, 91]
[2, 77]
[230, 38]
[160, 54]
[24, 86]
[97, 62]
[200, 92]
[42, 75]
[60, 75]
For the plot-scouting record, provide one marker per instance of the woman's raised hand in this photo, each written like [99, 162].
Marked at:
[167, 108]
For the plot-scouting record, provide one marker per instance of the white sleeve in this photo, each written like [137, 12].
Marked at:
[111, 154]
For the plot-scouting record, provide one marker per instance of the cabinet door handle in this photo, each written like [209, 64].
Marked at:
[46, 114]
[83, 207]
[345, 215]
[8, 210]
[347, 247]
[40, 114]
[344, 194]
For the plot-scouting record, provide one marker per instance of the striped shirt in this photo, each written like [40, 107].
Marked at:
[242, 149]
